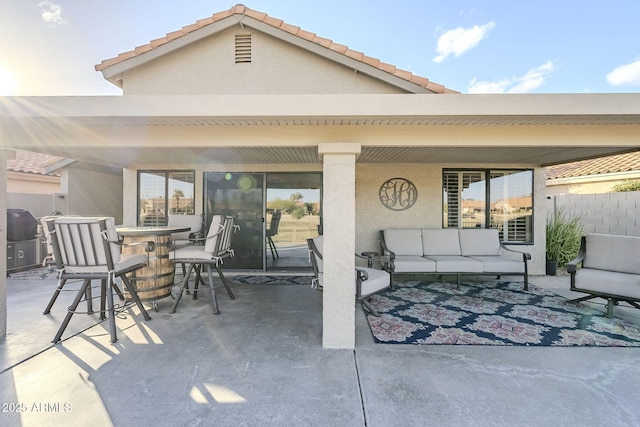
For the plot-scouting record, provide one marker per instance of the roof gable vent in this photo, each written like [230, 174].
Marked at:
[243, 48]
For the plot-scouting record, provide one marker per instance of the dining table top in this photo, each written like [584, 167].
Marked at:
[125, 230]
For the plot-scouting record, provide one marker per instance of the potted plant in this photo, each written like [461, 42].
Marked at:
[564, 233]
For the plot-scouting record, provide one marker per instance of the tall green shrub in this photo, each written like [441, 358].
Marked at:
[563, 237]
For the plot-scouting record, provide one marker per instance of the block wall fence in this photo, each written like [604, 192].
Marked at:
[606, 213]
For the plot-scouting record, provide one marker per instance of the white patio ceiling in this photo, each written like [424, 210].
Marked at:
[286, 129]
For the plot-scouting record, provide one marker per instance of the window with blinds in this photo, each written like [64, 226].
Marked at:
[164, 192]
[500, 199]
[464, 199]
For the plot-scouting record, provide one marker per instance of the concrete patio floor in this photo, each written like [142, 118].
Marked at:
[261, 362]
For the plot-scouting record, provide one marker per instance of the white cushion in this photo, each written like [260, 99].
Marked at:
[194, 222]
[127, 261]
[377, 280]
[413, 264]
[499, 264]
[404, 241]
[479, 241]
[456, 264]
[613, 253]
[623, 284]
[442, 241]
[190, 252]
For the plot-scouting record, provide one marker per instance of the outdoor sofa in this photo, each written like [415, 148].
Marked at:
[607, 267]
[450, 251]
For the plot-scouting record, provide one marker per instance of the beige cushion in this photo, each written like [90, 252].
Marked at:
[404, 241]
[614, 253]
[377, 280]
[194, 222]
[413, 264]
[442, 241]
[479, 241]
[456, 264]
[623, 284]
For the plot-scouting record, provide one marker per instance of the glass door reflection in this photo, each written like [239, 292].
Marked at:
[240, 195]
[292, 217]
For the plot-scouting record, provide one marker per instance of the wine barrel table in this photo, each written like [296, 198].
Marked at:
[154, 281]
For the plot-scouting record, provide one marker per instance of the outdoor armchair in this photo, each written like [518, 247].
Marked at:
[368, 281]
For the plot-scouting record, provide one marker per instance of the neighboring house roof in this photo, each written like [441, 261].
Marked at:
[602, 165]
[29, 162]
[281, 25]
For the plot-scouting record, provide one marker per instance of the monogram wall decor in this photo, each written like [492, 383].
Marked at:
[398, 194]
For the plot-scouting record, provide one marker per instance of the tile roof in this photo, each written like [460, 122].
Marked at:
[619, 163]
[29, 162]
[240, 9]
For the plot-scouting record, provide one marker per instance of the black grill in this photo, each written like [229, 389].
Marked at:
[21, 225]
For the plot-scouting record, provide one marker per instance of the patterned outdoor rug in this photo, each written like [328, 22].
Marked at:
[491, 313]
[271, 280]
[42, 273]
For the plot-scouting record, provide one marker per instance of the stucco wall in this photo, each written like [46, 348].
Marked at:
[208, 67]
[372, 216]
[93, 193]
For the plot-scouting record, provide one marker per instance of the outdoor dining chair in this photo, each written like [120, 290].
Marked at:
[49, 260]
[216, 248]
[273, 231]
[194, 236]
[368, 280]
[87, 248]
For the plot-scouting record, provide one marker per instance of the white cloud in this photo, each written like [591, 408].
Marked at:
[528, 82]
[459, 40]
[628, 74]
[51, 13]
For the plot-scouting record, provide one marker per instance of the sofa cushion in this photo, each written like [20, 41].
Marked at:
[404, 241]
[499, 264]
[455, 264]
[614, 253]
[479, 241]
[443, 241]
[623, 284]
[413, 264]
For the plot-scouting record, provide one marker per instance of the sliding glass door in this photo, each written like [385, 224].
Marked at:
[276, 213]
[240, 195]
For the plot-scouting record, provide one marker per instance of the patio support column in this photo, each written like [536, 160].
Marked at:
[338, 212]
[4, 156]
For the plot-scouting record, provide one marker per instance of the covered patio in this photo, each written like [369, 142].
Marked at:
[355, 141]
[262, 363]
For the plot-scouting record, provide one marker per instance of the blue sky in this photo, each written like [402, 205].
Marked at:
[499, 46]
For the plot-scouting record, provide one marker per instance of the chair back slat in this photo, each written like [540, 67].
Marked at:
[224, 243]
[84, 243]
[217, 224]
